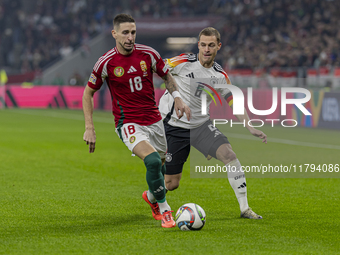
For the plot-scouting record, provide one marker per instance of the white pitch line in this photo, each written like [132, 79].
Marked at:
[240, 136]
[284, 141]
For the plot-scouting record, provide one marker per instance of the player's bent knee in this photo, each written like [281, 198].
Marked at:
[231, 155]
[172, 181]
[226, 154]
[172, 185]
[153, 163]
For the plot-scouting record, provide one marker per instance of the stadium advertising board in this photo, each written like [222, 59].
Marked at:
[2, 96]
[330, 111]
[45, 96]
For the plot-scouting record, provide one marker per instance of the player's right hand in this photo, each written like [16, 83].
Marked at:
[259, 134]
[90, 139]
[181, 108]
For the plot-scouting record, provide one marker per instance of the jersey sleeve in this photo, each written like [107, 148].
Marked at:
[175, 64]
[225, 92]
[98, 75]
[158, 66]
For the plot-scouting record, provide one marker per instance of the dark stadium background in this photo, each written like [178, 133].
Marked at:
[264, 44]
[56, 198]
[257, 35]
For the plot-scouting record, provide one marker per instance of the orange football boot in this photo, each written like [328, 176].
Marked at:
[154, 207]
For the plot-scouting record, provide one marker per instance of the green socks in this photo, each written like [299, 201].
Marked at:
[154, 176]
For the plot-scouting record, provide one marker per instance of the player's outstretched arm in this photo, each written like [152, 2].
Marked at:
[180, 107]
[89, 135]
[255, 132]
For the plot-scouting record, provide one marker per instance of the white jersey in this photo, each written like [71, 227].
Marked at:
[193, 79]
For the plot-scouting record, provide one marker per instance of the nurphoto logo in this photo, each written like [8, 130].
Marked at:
[239, 103]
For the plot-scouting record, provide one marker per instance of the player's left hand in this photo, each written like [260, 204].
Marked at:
[259, 134]
[181, 108]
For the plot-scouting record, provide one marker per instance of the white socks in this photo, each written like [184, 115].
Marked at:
[237, 181]
[151, 197]
[162, 206]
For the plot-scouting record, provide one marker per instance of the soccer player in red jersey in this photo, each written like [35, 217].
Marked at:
[127, 70]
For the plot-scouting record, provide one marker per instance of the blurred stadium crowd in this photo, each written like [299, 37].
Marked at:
[32, 39]
[255, 34]
[281, 33]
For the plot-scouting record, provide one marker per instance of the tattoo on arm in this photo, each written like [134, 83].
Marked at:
[170, 83]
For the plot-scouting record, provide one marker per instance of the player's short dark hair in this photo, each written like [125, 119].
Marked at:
[210, 31]
[122, 18]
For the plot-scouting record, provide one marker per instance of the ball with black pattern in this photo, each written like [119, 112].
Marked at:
[190, 216]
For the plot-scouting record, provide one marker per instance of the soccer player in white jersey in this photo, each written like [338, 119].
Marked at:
[199, 128]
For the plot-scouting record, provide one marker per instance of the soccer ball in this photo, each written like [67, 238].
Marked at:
[190, 217]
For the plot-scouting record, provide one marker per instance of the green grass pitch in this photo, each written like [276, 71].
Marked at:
[56, 198]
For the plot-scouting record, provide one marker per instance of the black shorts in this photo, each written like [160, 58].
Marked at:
[205, 138]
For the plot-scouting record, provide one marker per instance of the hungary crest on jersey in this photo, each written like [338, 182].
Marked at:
[118, 71]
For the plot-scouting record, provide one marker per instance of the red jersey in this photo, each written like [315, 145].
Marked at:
[129, 78]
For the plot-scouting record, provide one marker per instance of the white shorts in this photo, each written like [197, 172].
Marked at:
[132, 134]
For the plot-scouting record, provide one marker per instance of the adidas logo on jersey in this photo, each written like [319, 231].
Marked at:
[132, 69]
[190, 75]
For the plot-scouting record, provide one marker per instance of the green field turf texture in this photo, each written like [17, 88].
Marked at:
[56, 198]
